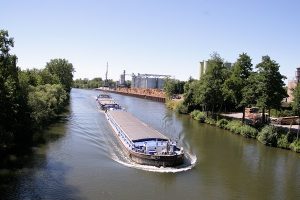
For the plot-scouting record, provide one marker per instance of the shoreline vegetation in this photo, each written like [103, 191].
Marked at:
[268, 135]
[30, 101]
[223, 89]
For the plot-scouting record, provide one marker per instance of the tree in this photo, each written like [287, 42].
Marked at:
[63, 70]
[169, 87]
[270, 85]
[189, 94]
[173, 86]
[209, 92]
[296, 105]
[13, 115]
[233, 86]
[46, 102]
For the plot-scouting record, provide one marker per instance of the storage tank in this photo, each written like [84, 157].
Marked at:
[160, 83]
[151, 83]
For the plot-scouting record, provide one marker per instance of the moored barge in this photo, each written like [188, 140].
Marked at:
[143, 144]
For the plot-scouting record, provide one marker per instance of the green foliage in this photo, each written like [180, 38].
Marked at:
[268, 135]
[295, 146]
[208, 90]
[248, 131]
[270, 85]
[194, 113]
[238, 127]
[13, 115]
[222, 123]
[222, 89]
[296, 103]
[172, 86]
[284, 140]
[182, 108]
[281, 113]
[88, 84]
[234, 126]
[29, 98]
[198, 115]
[63, 70]
[189, 94]
[173, 105]
[46, 102]
[210, 121]
[234, 85]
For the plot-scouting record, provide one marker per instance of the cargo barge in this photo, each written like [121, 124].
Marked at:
[106, 102]
[143, 144]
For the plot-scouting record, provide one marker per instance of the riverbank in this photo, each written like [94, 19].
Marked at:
[150, 94]
[270, 135]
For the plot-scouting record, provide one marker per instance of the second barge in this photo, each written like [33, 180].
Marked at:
[143, 144]
[105, 102]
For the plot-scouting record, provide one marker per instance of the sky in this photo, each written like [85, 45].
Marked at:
[151, 36]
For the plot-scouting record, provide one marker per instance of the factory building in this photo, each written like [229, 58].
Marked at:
[148, 81]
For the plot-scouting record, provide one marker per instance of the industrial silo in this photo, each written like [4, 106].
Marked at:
[298, 75]
[160, 83]
[151, 83]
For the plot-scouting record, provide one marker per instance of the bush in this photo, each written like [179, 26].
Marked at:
[268, 135]
[173, 105]
[222, 123]
[46, 102]
[210, 121]
[234, 126]
[281, 113]
[182, 108]
[200, 117]
[248, 131]
[283, 141]
[295, 146]
[194, 113]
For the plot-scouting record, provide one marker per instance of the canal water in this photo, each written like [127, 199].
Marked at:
[85, 161]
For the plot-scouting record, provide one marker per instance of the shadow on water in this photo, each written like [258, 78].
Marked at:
[27, 173]
[39, 183]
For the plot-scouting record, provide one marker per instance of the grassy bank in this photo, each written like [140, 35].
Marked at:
[268, 135]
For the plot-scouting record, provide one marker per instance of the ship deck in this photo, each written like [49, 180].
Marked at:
[106, 101]
[135, 129]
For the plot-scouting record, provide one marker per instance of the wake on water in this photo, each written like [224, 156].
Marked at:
[191, 159]
[115, 153]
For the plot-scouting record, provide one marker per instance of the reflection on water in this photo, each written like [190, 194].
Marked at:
[86, 161]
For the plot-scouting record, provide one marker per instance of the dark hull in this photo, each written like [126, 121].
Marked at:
[156, 160]
[153, 160]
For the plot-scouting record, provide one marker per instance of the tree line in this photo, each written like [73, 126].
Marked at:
[29, 99]
[223, 89]
[234, 88]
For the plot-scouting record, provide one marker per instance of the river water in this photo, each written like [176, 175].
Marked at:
[85, 161]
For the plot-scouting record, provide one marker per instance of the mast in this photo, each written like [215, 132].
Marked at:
[106, 81]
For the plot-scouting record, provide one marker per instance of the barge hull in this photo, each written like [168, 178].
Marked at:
[146, 159]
